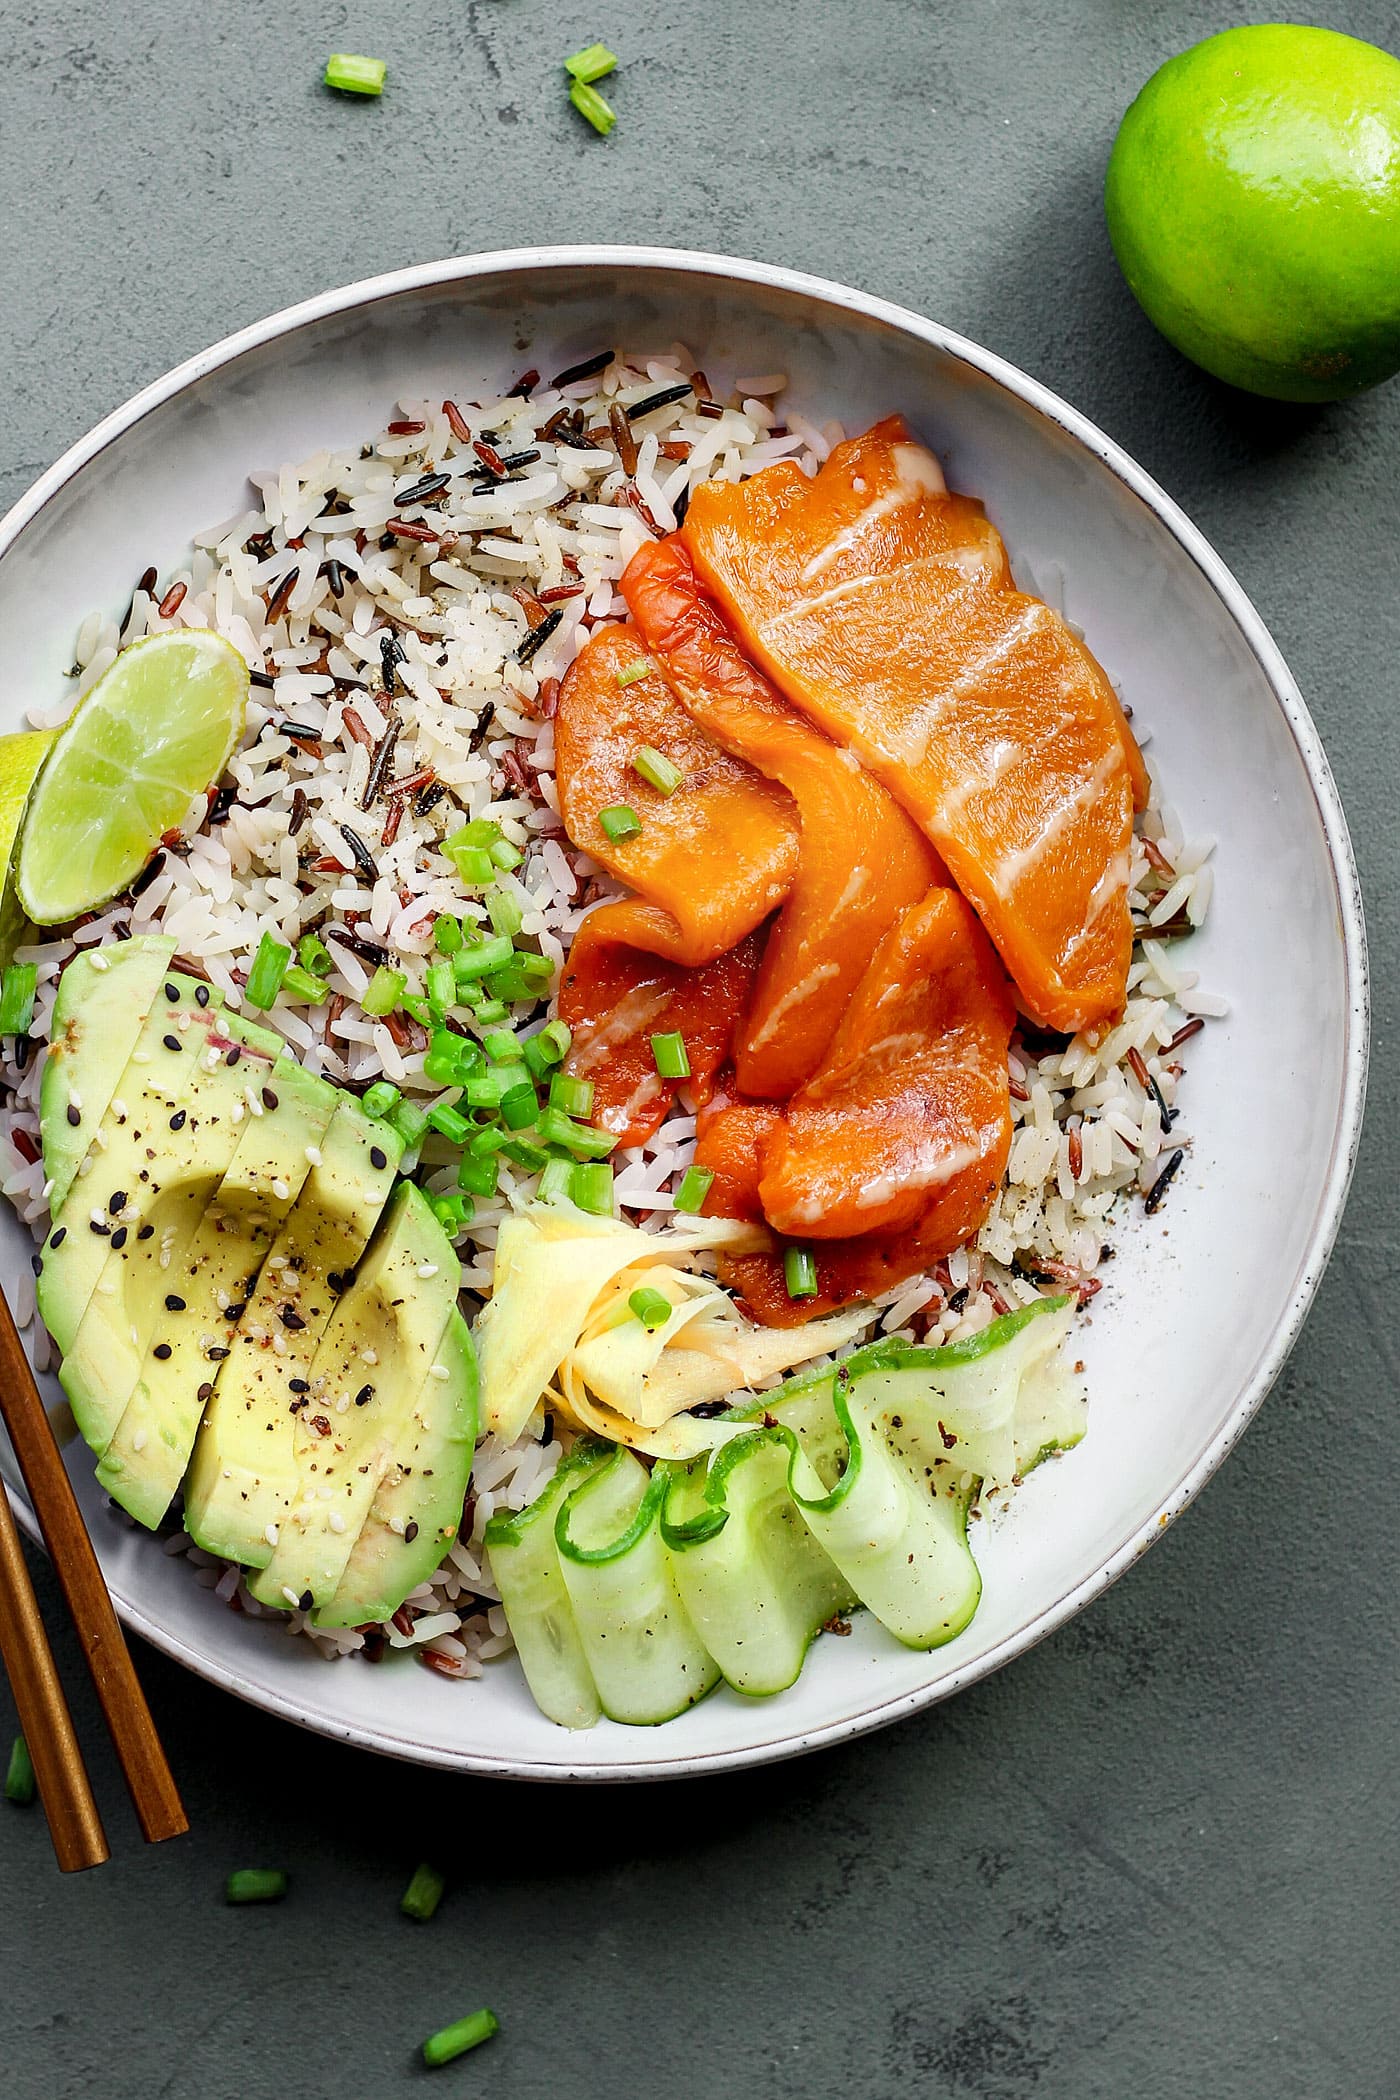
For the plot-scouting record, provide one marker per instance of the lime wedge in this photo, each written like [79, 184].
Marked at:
[20, 759]
[155, 729]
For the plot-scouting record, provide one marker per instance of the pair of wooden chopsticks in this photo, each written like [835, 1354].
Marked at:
[74, 1823]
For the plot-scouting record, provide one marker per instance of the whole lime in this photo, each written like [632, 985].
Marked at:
[1253, 201]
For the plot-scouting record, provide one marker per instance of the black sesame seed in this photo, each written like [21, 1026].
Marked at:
[75, 1115]
[298, 1385]
[204, 1392]
[58, 1235]
[292, 1318]
[162, 1350]
[116, 1201]
[177, 1121]
[36, 1263]
[171, 1042]
[378, 1157]
[410, 1531]
[201, 995]
[305, 1601]
[172, 993]
[119, 1237]
[96, 1225]
[236, 1312]
[364, 1396]
[232, 1056]
[269, 1099]
[145, 1232]
[216, 1355]
[174, 1304]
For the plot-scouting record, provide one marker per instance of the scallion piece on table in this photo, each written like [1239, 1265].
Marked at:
[424, 1893]
[591, 64]
[478, 1175]
[620, 822]
[651, 1308]
[382, 994]
[264, 979]
[696, 1184]
[256, 1885]
[19, 1774]
[669, 1052]
[410, 1121]
[592, 1188]
[303, 985]
[379, 1099]
[447, 934]
[630, 673]
[573, 1097]
[449, 1122]
[448, 2042]
[800, 1272]
[314, 955]
[556, 1179]
[590, 104]
[353, 75]
[656, 770]
[580, 1140]
[506, 913]
[483, 959]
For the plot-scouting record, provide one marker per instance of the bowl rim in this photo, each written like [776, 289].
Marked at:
[776, 1742]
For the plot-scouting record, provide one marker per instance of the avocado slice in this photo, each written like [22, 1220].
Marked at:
[103, 999]
[244, 1470]
[166, 1167]
[174, 1035]
[208, 1283]
[417, 1507]
[379, 1350]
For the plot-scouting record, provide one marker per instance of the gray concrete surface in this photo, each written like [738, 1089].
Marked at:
[1158, 1857]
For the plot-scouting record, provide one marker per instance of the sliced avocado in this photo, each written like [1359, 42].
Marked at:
[208, 1284]
[417, 1508]
[167, 1185]
[116, 1170]
[103, 998]
[244, 1470]
[380, 1348]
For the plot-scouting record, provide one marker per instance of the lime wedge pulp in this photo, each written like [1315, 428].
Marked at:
[20, 759]
[155, 729]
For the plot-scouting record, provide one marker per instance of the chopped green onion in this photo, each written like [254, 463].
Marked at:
[555, 1039]
[800, 1272]
[696, 1184]
[447, 934]
[502, 1048]
[355, 76]
[483, 959]
[620, 821]
[379, 1099]
[536, 1058]
[489, 1011]
[19, 1776]
[302, 985]
[504, 855]
[487, 1089]
[442, 1066]
[519, 1107]
[441, 986]
[573, 1096]
[481, 831]
[383, 992]
[526, 1155]
[453, 1212]
[656, 769]
[440, 2048]
[641, 668]
[580, 1140]
[590, 104]
[473, 863]
[449, 1122]
[556, 1179]
[420, 1009]
[314, 955]
[593, 1188]
[591, 64]
[410, 1121]
[651, 1308]
[424, 1893]
[490, 1139]
[507, 988]
[17, 998]
[507, 913]
[256, 1885]
[264, 979]
[478, 1174]
[669, 1052]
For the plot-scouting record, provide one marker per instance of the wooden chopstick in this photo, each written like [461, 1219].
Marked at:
[74, 1824]
[154, 1794]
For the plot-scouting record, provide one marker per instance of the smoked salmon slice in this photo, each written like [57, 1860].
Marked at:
[862, 861]
[711, 860]
[882, 607]
[615, 997]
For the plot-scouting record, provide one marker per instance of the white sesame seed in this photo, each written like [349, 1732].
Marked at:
[76, 1100]
[336, 1521]
[48, 1188]
[239, 1112]
[369, 1356]
[100, 961]
[427, 1269]
[272, 1534]
[313, 1155]
[140, 1057]
[281, 1191]
[342, 1405]
[254, 1104]
[290, 1594]
[138, 1441]
[118, 1109]
[439, 1371]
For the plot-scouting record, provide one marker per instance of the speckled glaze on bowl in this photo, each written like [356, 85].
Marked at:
[1204, 1302]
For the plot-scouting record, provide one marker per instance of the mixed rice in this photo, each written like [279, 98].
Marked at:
[407, 611]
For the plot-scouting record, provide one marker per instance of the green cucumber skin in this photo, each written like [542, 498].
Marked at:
[859, 1451]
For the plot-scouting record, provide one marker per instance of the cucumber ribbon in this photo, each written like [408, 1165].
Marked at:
[631, 1592]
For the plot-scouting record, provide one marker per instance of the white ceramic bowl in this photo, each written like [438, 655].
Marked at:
[1204, 1302]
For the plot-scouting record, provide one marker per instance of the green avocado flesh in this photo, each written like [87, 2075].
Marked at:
[630, 1594]
[246, 1304]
